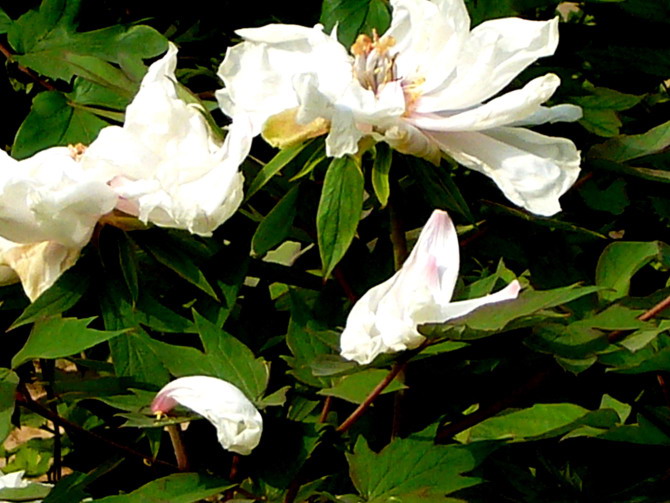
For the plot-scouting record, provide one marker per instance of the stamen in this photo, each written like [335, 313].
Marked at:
[374, 66]
[77, 150]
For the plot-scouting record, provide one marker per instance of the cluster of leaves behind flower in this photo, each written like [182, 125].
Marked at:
[499, 388]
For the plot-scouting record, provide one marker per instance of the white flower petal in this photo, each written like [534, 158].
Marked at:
[501, 111]
[259, 73]
[558, 113]
[238, 424]
[385, 319]
[531, 169]
[463, 307]
[52, 197]
[36, 265]
[494, 54]
[169, 168]
[427, 33]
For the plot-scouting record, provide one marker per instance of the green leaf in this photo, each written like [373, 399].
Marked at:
[600, 109]
[380, 172]
[171, 250]
[494, 318]
[176, 488]
[46, 41]
[540, 420]
[356, 387]
[54, 121]
[59, 337]
[277, 224]
[339, 210]
[621, 260]
[412, 469]
[354, 17]
[64, 294]
[225, 357]
[8, 383]
[32, 492]
[5, 22]
[629, 147]
[273, 167]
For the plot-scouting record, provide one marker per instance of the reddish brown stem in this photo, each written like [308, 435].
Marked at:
[10, 57]
[178, 446]
[327, 403]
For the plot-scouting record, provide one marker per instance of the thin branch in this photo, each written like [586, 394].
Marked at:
[344, 284]
[398, 238]
[10, 57]
[327, 403]
[532, 384]
[398, 367]
[30, 404]
[647, 315]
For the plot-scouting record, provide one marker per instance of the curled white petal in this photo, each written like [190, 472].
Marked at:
[238, 424]
[168, 167]
[386, 318]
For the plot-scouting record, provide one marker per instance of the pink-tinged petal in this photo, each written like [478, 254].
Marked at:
[463, 307]
[385, 319]
[238, 424]
[493, 55]
[506, 109]
[531, 169]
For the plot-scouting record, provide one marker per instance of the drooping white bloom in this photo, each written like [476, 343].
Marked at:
[49, 206]
[238, 424]
[426, 86]
[168, 166]
[386, 318]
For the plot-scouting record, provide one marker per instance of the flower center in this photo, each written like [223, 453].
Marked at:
[374, 65]
[76, 151]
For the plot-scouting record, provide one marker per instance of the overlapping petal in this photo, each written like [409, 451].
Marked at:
[386, 318]
[238, 424]
[423, 84]
[167, 165]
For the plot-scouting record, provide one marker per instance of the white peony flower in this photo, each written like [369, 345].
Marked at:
[426, 87]
[238, 424]
[15, 480]
[166, 163]
[386, 318]
[49, 206]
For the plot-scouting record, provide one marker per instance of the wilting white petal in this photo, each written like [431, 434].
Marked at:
[51, 196]
[238, 424]
[36, 265]
[386, 318]
[531, 169]
[169, 168]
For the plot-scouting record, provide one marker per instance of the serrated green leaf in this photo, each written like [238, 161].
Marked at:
[412, 470]
[53, 121]
[224, 357]
[277, 224]
[621, 260]
[629, 147]
[46, 41]
[354, 17]
[356, 387]
[59, 337]
[339, 210]
[60, 297]
[175, 488]
[8, 383]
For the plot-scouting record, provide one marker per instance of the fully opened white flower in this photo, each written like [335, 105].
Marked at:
[426, 87]
[386, 318]
[168, 167]
[238, 424]
[49, 206]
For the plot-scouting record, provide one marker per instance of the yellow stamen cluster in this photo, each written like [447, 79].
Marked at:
[76, 151]
[374, 65]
